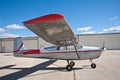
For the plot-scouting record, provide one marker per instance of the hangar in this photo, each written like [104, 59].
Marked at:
[112, 41]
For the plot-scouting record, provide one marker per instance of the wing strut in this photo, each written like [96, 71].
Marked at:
[75, 46]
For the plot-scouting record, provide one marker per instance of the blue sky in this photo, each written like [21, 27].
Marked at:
[83, 16]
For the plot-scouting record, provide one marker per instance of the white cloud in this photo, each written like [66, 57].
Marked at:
[2, 30]
[85, 28]
[113, 18]
[6, 35]
[5, 32]
[89, 32]
[14, 26]
[112, 29]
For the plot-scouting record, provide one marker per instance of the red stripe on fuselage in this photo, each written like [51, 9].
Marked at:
[31, 51]
[37, 51]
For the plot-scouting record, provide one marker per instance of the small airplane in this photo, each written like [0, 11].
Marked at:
[54, 29]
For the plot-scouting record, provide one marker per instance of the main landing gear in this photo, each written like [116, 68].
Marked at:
[70, 65]
[93, 65]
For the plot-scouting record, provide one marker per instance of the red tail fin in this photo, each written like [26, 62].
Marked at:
[18, 45]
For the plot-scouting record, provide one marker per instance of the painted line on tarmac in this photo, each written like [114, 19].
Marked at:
[74, 75]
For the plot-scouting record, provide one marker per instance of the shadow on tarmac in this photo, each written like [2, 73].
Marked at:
[26, 71]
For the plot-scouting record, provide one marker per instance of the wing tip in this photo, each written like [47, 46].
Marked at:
[45, 18]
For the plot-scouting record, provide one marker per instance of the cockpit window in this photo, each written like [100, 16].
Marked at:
[80, 45]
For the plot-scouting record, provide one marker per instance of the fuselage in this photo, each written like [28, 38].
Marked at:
[62, 53]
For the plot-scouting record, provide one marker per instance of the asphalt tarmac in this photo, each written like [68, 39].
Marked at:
[15, 68]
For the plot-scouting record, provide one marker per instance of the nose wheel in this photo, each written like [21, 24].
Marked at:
[70, 65]
[93, 65]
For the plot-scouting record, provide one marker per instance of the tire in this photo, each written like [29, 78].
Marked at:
[72, 63]
[69, 67]
[93, 65]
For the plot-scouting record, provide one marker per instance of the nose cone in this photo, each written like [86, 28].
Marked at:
[105, 49]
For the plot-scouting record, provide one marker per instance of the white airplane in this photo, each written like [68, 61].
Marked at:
[53, 28]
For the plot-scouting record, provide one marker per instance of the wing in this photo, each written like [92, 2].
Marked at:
[53, 28]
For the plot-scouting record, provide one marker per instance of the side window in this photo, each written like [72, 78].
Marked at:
[80, 45]
[58, 48]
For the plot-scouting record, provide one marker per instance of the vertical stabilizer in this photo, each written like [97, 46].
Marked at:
[18, 45]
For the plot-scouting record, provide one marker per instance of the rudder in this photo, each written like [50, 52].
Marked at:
[18, 45]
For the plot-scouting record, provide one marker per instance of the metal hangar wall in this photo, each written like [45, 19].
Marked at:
[112, 41]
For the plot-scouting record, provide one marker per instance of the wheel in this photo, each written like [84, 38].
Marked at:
[72, 63]
[93, 65]
[69, 67]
